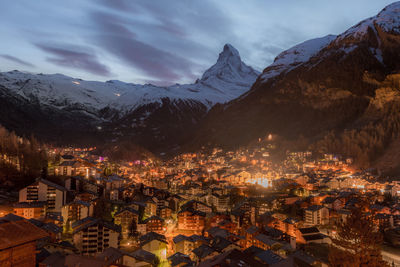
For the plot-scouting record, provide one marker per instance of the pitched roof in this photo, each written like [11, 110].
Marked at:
[128, 209]
[269, 257]
[265, 239]
[90, 221]
[180, 238]
[253, 250]
[152, 236]
[48, 227]
[68, 163]
[314, 237]
[143, 255]
[51, 184]
[73, 260]
[14, 233]
[309, 230]
[110, 255]
[80, 202]
[252, 229]
[315, 207]
[203, 251]
[35, 204]
[179, 258]
[232, 258]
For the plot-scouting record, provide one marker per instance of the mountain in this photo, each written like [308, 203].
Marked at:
[62, 109]
[337, 93]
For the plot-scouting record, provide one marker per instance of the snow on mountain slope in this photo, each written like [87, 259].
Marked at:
[388, 20]
[293, 57]
[225, 80]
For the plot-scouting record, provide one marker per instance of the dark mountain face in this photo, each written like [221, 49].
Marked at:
[50, 124]
[334, 90]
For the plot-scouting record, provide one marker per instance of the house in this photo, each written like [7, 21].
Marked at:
[44, 190]
[18, 243]
[179, 259]
[91, 235]
[116, 257]
[289, 226]
[234, 258]
[151, 208]
[204, 252]
[197, 205]
[71, 260]
[333, 203]
[30, 210]
[185, 244]
[269, 258]
[142, 258]
[221, 244]
[316, 215]
[165, 212]
[264, 242]
[125, 218]
[154, 243]
[75, 211]
[312, 235]
[68, 168]
[395, 190]
[155, 224]
[53, 231]
[190, 219]
[222, 202]
[250, 235]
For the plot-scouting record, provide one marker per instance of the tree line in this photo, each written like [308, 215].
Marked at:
[21, 159]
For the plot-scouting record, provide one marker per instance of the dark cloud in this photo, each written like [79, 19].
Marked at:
[75, 59]
[158, 64]
[163, 20]
[17, 60]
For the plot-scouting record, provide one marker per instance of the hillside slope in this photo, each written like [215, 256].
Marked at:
[323, 89]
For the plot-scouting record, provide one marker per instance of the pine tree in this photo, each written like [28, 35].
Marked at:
[357, 243]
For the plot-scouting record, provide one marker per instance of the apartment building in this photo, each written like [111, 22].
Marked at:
[316, 215]
[43, 190]
[91, 235]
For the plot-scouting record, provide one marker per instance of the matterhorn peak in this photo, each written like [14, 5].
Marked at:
[229, 64]
[229, 51]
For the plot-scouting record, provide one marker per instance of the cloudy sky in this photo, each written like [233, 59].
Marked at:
[161, 41]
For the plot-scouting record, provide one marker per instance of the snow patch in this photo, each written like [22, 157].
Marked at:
[295, 56]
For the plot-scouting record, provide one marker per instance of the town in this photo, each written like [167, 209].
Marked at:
[211, 208]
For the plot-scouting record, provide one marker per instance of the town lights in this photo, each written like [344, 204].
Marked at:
[264, 182]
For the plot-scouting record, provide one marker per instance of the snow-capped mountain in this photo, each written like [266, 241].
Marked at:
[224, 81]
[387, 20]
[147, 113]
[293, 57]
[346, 86]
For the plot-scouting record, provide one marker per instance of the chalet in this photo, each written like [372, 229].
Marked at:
[125, 218]
[190, 219]
[155, 224]
[186, 244]
[91, 236]
[76, 210]
[30, 210]
[154, 243]
[18, 243]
